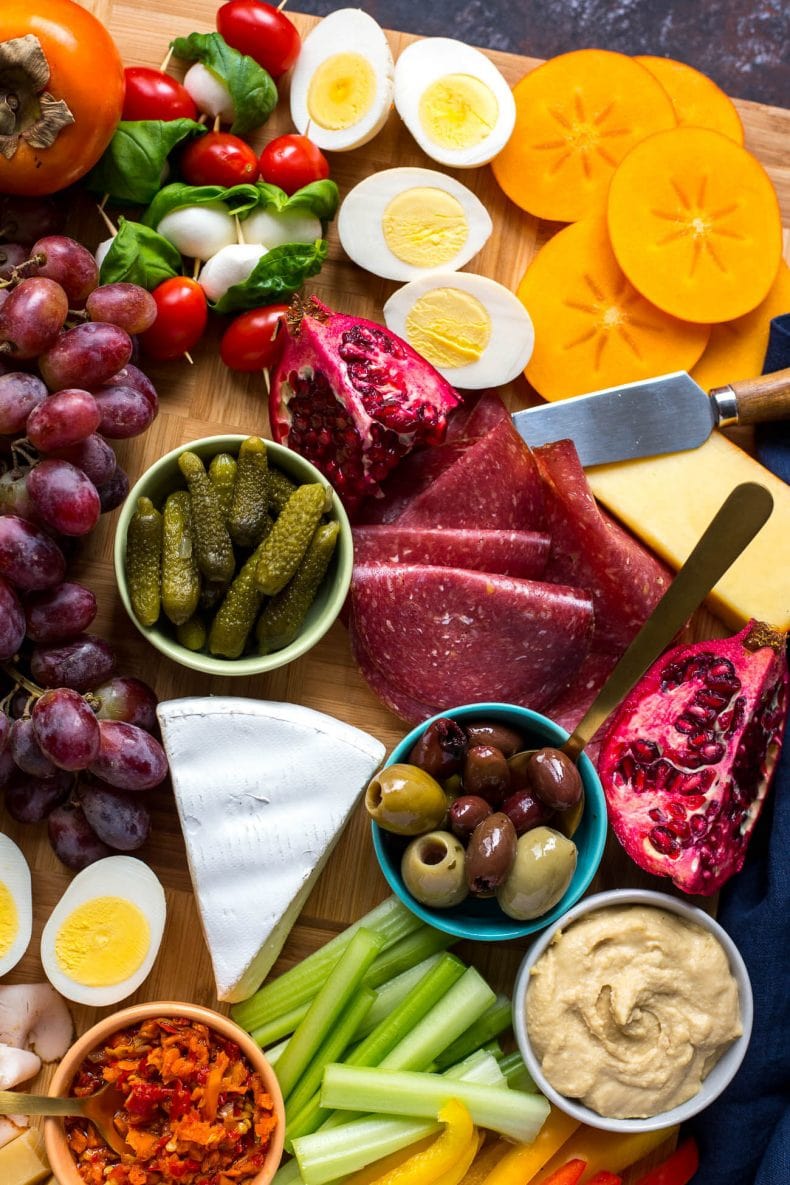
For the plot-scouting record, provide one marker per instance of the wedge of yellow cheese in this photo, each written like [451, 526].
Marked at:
[668, 501]
[23, 1162]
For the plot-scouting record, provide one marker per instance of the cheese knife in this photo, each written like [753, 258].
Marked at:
[666, 414]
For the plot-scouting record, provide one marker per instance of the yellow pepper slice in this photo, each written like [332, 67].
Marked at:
[521, 1163]
[429, 1166]
[456, 1174]
[371, 1172]
[495, 1148]
[614, 1151]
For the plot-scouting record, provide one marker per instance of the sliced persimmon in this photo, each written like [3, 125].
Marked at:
[736, 349]
[592, 328]
[576, 118]
[698, 102]
[694, 222]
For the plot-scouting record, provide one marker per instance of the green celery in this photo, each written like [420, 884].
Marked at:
[280, 1026]
[392, 993]
[333, 1047]
[287, 1174]
[512, 1113]
[517, 1075]
[275, 1052]
[460, 1007]
[391, 920]
[493, 1022]
[338, 989]
[414, 948]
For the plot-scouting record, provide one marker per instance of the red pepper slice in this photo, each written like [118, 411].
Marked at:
[568, 1174]
[604, 1177]
[677, 1169]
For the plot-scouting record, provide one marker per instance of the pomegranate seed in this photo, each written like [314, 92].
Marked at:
[664, 841]
[694, 801]
[645, 751]
[657, 815]
[686, 726]
[712, 752]
[711, 699]
[677, 810]
[698, 825]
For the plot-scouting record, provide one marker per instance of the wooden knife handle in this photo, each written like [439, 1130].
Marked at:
[753, 401]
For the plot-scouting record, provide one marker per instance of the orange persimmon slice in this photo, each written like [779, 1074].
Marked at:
[592, 328]
[736, 349]
[698, 102]
[695, 225]
[576, 118]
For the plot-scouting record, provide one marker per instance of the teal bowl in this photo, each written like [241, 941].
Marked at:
[478, 918]
[161, 479]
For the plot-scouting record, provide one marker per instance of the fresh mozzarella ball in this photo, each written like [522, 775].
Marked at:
[272, 229]
[342, 81]
[209, 93]
[16, 904]
[199, 231]
[103, 935]
[100, 254]
[475, 332]
[405, 223]
[454, 102]
[231, 265]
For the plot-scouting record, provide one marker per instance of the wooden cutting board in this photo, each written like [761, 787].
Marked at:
[206, 398]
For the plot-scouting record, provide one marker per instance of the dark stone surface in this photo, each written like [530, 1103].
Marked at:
[744, 45]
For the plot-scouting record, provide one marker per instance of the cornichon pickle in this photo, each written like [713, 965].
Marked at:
[180, 576]
[144, 561]
[236, 615]
[222, 472]
[282, 551]
[192, 634]
[213, 548]
[280, 490]
[249, 521]
[284, 616]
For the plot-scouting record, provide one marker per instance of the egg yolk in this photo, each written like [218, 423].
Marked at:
[102, 942]
[341, 91]
[448, 327]
[9, 920]
[424, 227]
[458, 111]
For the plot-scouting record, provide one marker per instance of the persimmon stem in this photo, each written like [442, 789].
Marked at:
[108, 222]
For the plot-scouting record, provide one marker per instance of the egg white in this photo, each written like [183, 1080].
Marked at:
[512, 339]
[359, 222]
[115, 876]
[425, 62]
[15, 875]
[348, 30]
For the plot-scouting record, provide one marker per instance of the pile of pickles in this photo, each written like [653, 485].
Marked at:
[235, 558]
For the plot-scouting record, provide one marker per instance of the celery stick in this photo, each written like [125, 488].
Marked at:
[391, 920]
[287, 1174]
[512, 1113]
[331, 1050]
[517, 1075]
[338, 989]
[275, 1052]
[390, 994]
[280, 1026]
[456, 1011]
[493, 1022]
[401, 955]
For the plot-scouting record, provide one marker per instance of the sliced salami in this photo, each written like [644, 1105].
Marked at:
[398, 702]
[478, 415]
[591, 550]
[509, 553]
[448, 636]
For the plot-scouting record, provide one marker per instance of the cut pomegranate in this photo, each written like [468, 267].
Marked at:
[353, 398]
[688, 759]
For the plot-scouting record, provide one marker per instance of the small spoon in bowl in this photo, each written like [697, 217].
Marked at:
[99, 1108]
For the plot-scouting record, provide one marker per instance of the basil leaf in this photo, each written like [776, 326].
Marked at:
[240, 198]
[251, 88]
[139, 255]
[131, 168]
[277, 275]
[319, 197]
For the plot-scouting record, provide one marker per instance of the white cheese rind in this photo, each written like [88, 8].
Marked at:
[263, 792]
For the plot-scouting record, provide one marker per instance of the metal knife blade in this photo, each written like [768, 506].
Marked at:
[666, 414]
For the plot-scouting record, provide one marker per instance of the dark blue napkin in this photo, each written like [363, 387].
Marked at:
[744, 1137]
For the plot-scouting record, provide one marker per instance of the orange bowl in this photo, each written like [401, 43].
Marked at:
[58, 1152]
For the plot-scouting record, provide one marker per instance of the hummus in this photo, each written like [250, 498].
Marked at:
[629, 1010]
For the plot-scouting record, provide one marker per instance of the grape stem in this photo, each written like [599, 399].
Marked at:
[19, 679]
[19, 273]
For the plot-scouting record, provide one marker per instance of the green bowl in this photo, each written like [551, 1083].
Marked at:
[162, 479]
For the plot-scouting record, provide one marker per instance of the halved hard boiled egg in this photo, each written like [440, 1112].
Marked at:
[16, 904]
[454, 101]
[473, 330]
[103, 935]
[341, 87]
[404, 223]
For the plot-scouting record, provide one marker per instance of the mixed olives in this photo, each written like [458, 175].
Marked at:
[489, 817]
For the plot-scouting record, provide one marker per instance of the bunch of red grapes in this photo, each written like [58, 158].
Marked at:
[76, 741]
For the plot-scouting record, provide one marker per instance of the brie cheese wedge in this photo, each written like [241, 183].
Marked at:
[263, 792]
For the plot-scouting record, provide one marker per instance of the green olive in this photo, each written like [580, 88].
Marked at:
[544, 866]
[406, 800]
[434, 869]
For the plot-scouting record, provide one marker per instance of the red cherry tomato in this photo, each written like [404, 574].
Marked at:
[150, 94]
[292, 161]
[260, 31]
[249, 342]
[181, 314]
[219, 158]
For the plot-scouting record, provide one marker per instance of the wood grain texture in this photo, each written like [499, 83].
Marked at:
[206, 398]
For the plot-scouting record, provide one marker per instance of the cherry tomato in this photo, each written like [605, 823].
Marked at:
[249, 342]
[181, 314]
[292, 161]
[260, 31]
[150, 94]
[219, 158]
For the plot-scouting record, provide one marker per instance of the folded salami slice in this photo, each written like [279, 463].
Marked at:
[509, 553]
[448, 636]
